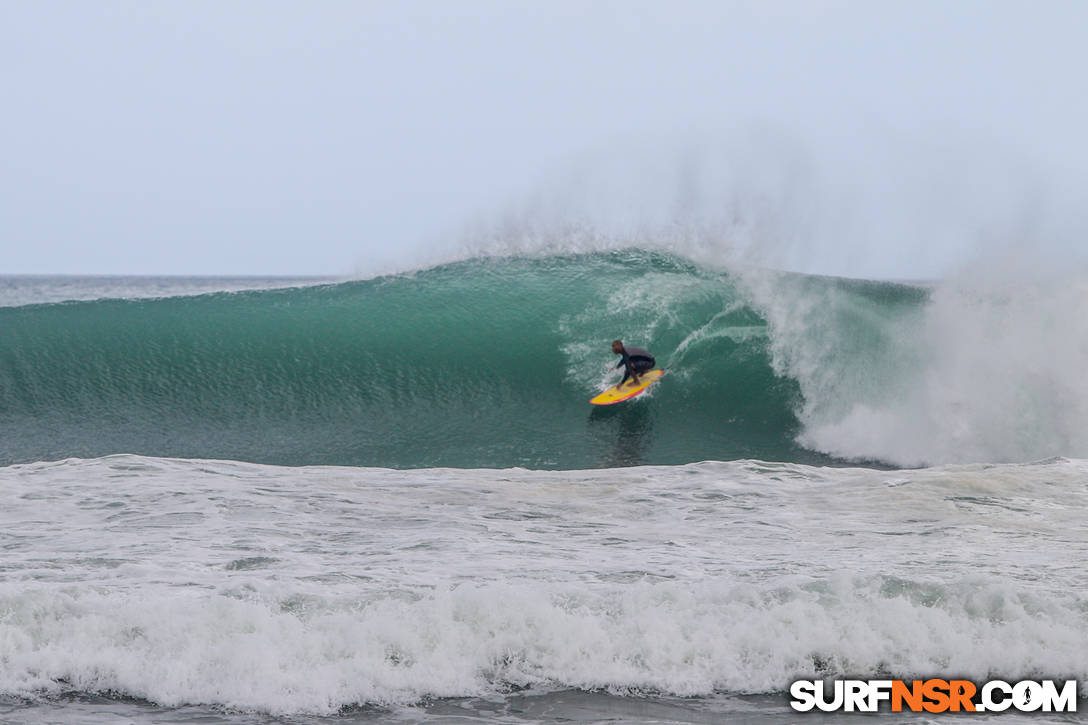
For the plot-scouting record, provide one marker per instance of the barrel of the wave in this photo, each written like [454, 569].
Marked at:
[626, 391]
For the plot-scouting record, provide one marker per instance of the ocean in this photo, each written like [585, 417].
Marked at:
[388, 500]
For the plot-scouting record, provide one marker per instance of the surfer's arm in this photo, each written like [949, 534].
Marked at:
[625, 363]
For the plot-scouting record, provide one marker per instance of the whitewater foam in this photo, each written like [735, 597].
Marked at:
[988, 369]
[306, 590]
[274, 654]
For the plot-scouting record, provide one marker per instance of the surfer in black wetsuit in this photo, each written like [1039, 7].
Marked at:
[635, 361]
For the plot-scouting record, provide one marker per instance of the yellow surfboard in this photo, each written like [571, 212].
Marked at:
[618, 393]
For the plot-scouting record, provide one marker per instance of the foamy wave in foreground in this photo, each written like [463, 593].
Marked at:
[252, 649]
[309, 589]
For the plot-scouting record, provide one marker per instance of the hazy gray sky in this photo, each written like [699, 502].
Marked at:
[869, 138]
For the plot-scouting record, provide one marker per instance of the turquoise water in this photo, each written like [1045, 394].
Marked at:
[484, 363]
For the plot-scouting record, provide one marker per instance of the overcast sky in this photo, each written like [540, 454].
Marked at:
[863, 138]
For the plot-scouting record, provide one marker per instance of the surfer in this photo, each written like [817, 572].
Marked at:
[635, 361]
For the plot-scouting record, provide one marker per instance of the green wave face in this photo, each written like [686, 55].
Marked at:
[485, 363]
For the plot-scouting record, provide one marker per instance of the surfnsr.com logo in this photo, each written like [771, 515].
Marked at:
[934, 695]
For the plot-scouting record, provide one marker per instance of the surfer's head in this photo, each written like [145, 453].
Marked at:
[617, 347]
